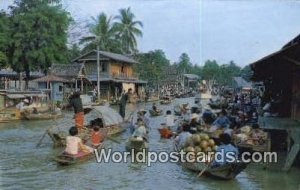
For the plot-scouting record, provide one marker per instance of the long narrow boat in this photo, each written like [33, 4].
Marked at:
[225, 172]
[136, 143]
[165, 102]
[43, 116]
[112, 121]
[67, 159]
[154, 113]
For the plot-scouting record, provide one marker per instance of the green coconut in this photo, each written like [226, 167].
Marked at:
[188, 142]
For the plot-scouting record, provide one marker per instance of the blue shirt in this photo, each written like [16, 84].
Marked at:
[225, 154]
[222, 121]
[182, 137]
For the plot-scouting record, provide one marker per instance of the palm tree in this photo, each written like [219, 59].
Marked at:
[103, 34]
[127, 30]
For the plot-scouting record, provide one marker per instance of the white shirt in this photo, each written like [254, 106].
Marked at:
[170, 120]
[72, 144]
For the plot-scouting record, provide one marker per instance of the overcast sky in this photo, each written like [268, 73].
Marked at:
[225, 30]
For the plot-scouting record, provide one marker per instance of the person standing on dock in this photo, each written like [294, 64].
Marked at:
[123, 101]
[76, 103]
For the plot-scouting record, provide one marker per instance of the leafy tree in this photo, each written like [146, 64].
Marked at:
[227, 72]
[210, 70]
[103, 34]
[127, 30]
[39, 35]
[4, 38]
[246, 72]
[184, 65]
[151, 65]
[73, 52]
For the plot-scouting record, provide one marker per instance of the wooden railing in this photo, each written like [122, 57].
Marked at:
[125, 76]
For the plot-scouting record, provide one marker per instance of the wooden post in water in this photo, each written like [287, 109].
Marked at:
[295, 136]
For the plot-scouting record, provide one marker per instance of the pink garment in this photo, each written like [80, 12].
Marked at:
[72, 144]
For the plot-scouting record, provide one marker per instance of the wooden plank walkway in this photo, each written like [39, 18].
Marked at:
[292, 127]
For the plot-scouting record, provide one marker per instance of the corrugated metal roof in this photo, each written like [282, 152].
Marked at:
[15, 96]
[242, 82]
[10, 72]
[50, 78]
[192, 76]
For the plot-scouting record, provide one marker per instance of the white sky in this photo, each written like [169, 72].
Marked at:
[239, 30]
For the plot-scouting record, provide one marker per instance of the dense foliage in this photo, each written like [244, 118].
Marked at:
[37, 35]
[33, 35]
[116, 34]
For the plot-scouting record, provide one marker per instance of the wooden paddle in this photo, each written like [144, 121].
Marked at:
[41, 139]
[113, 139]
[206, 167]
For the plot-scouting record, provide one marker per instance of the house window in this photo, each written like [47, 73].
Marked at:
[122, 69]
[60, 88]
[104, 67]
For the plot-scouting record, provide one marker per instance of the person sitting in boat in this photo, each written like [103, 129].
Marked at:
[140, 130]
[96, 137]
[222, 120]
[155, 109]
[208, 116]
[74, 144]
[194, 123]
[180, 139]
[185, 113]
[143, 117]
[225, 152]
[169, 119]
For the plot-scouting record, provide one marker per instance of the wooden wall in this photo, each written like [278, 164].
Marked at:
[116, 68]
[295, 103]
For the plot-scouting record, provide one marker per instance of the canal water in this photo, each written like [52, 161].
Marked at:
[25, 166]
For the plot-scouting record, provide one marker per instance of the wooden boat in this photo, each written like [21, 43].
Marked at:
[43, 116]
[225, 172]
[136, 144]
[67, 159]
[206, 95]
[215, 105]
[263, 147]
[154, 114]
[177, 112]
[7, 119]
[165, 102]
[113, 124]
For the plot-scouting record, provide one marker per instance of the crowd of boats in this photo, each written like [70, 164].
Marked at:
[193, 128]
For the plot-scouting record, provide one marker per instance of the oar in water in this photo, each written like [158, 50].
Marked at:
[202, 171]
[41, 140]
[113, 139]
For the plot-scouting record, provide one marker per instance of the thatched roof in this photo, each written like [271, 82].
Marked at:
[67, 70]
[92, 55]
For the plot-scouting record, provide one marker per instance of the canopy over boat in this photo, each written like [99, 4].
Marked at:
[108, 115]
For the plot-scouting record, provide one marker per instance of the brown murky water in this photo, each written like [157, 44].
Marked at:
[23, 166]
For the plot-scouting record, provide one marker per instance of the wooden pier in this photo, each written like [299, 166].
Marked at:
[292, 128]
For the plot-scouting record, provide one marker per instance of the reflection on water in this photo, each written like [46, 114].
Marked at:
[23, 166]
